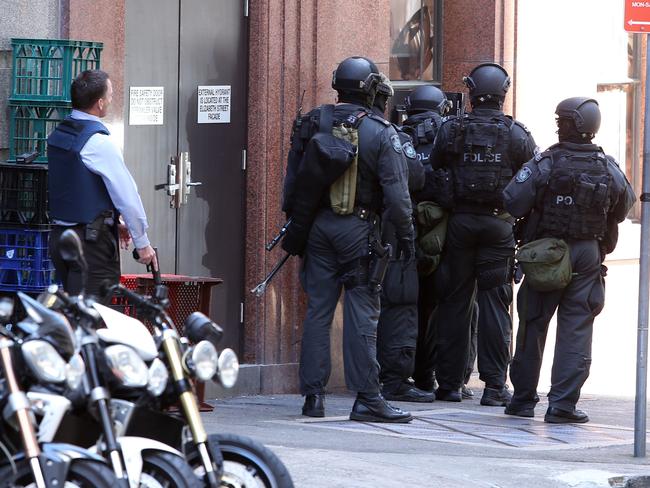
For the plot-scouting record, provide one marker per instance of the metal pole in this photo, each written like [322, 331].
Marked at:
[644, 285]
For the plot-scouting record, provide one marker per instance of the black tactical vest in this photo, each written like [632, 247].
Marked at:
[423, 129]
[483, 165]
[577, 197]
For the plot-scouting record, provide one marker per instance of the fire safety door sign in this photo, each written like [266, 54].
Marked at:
[146, 105]
[214, 104]
[637, 16]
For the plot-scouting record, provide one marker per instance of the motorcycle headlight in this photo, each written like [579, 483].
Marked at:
[158, 377]
[228, 368]
[44, 361]
[127, 366]
[204, 358]
[74, 371]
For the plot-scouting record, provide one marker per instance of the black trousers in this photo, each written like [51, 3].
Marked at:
[577, 305]
[334, 243]
[476, 266]
[425, 354]
[102, 257]
[398, 324]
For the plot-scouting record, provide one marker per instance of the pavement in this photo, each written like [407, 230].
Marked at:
[451, 445]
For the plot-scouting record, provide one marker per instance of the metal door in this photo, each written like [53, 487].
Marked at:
[205, 45]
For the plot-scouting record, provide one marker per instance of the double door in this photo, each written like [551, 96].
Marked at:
[184, 139]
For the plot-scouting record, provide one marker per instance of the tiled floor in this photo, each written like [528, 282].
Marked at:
[487, 430]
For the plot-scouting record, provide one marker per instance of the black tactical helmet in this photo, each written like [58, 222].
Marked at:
[488, 81]
[356, 74]
[427, 97]
[584, 112]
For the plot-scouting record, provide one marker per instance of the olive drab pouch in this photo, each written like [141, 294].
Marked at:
[431, 227]
[546, 264]
[344, 190]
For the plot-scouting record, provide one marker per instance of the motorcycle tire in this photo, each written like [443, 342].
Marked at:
[246, 464]
[82, 474]
[166, 470]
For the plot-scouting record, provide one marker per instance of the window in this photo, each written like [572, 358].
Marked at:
[415, 40]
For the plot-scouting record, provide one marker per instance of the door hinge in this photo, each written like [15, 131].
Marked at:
[244, 159]
[241, 312]
[245, 8]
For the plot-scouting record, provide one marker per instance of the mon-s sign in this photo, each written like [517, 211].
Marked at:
[637, 16]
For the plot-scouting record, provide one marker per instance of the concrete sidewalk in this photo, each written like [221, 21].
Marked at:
[447, 445]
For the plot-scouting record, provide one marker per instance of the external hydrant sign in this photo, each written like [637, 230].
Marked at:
[214, 104]
[146, 105]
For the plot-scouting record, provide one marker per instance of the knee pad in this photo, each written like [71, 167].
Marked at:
[492, 275]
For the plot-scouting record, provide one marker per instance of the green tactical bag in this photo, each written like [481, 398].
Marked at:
[344, 190]
[546, 264]
[431, 226]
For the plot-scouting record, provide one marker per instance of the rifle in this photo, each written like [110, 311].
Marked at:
[261, 287]
[279, 236]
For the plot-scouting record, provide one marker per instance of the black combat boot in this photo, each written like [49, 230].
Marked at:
[314, 405]
[406, 392]
[496, 397]
[373, 408]
[556, 415]
[448, 395]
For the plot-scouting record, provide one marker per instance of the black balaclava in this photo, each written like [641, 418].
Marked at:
[567, 132]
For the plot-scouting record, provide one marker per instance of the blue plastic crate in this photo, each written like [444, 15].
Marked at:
[24, 261]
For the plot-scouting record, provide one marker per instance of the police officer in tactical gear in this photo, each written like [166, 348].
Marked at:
[483, 149]
[398, 322]
[91, 191]
[573, 192]
[337, 256]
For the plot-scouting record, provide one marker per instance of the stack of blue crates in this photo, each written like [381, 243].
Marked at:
[42, 72]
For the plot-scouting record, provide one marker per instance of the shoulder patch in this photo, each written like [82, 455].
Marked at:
[523, 127]
[523, 174]
[396, 143]
[409, 150]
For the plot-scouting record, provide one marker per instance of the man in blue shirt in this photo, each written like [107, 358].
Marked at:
[92, 191]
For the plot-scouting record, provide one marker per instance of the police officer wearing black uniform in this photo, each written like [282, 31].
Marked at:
[483, 149]
[427, 107]
[337, 257]
[574, 192]
[398, 322]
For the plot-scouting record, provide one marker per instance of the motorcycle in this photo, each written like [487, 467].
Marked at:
[45, 355]
[220, 460]
[111, 365]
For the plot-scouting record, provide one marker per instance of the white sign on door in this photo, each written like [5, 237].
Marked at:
[214, 104]
[146, 105]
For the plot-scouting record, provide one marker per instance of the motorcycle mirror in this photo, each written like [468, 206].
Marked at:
[198, 328]
[6, 309]
[71, 251]
[71, 248]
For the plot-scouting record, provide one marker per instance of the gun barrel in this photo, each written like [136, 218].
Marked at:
[261, 287]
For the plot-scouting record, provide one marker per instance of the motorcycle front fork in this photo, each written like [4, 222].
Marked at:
[189, 405]
[99, 396]
[18, 400]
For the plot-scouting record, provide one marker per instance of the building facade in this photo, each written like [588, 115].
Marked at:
[263, 58]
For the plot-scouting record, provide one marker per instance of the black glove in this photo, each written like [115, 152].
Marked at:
[405, 248]
[295, 240]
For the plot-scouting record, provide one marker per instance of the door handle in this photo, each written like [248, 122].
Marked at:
[186, 182]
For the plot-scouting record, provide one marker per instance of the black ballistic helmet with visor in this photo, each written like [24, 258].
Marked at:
[358, 78]
[584, 112]
[487, 82]
[426, 98]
